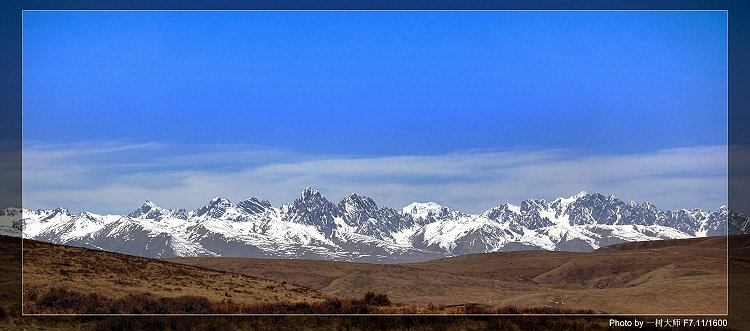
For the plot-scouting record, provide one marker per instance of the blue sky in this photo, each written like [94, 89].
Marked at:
[469, 109]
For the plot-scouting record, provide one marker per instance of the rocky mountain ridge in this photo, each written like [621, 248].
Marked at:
[357, 229]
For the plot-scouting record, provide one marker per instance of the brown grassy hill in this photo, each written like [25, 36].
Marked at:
[712, 242]
[117, 276]
[667, 277]
[10, 280]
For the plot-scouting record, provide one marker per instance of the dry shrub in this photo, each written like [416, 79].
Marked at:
[193, 304]
[62, 300]
[507, 310]
[473, 308]
[58, 300]
[226, 306]
[31, 292]
[376, 299]
[554, 310]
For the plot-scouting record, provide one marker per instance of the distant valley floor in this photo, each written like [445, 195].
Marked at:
[687, 276]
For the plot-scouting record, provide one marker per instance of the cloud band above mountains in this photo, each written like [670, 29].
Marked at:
[116, 177]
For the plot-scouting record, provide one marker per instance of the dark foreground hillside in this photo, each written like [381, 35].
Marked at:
[372, 303]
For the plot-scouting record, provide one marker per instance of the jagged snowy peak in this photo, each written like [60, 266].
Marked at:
[689, 221]
[254, 206]
[421, 209]
[536, 214]
[738, 223]
[645, 214]
[12, 228]
[65, 228]
[216, 208]
[362, 216]
[358, 208]
[149, 210]
[11, 212]
[596, 209]
[11, 223]
[46, 215]
[430, 211]
[222, 208]
[313, 209]
[506, 211]
[506, 215]
[714, 224]
[563, 203]
[34, 222]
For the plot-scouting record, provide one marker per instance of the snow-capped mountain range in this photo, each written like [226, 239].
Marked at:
[357, 229]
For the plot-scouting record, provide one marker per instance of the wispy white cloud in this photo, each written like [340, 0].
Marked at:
[111, 178]
[10, 174]
[739, 178]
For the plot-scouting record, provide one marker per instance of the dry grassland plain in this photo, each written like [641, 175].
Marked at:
[663, 277]
[666, 277]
